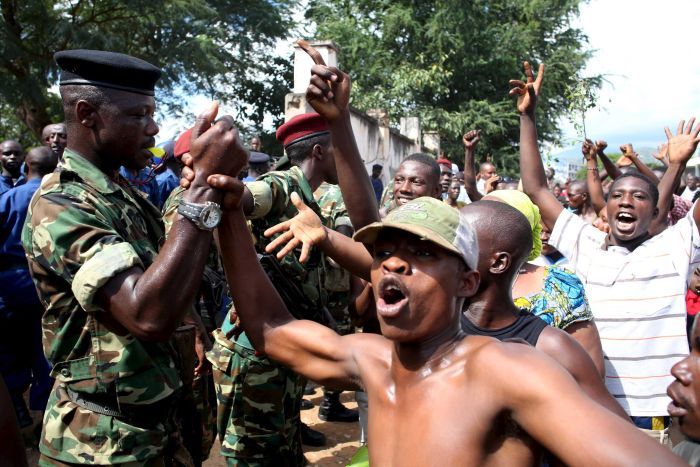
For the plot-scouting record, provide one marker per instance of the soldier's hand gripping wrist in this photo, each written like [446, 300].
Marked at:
[215, 147]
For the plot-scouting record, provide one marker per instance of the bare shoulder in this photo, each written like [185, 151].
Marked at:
[503, 363]
[552, 340]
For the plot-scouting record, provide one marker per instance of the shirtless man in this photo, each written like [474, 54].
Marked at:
[422, 370]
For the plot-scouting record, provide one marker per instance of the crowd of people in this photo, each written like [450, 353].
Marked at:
[156, 298]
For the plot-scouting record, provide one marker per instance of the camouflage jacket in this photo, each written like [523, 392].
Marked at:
[272, 205]
[334, 215]
[81, 230]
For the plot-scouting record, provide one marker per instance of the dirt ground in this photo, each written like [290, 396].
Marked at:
[343, 438]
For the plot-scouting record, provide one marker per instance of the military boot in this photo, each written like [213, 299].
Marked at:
[331, 410]
[311, 437]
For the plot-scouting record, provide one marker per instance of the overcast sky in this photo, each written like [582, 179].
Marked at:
[649, 52]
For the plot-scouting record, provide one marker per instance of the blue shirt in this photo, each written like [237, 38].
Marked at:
[167, 181]
[378, 187]
[144, 181]
[16, 286]
[7, 184]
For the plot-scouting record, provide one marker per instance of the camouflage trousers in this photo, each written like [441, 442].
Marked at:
[258, 406]
[196, 406]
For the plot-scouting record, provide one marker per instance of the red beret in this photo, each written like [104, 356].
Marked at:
[444, 162]
[300, 128]
[183, 143]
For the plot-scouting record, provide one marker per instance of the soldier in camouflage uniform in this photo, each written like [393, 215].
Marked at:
[337, 285]
[258, 399]
[112, 301]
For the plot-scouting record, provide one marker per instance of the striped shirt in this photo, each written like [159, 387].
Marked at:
[638, 302]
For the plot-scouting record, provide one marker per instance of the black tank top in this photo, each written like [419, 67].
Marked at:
[527, 327]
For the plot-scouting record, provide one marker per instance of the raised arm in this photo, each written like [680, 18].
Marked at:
[681, 148]
[611, 169]
[641, 166]
[470, 140]
[329, 95]
[531, 168]
[308, 348]
[595, 186]
[548, 404]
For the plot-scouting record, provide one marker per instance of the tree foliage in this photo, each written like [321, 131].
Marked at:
[449, 62]
[215, 47]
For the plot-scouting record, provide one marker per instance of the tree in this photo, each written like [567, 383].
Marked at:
[449, 62]
[203, 46]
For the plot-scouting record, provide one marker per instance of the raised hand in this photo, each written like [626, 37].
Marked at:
[305, 228]
[589, 150]
[662, 153]
[527, 91]
[490, 184]
[329, 88]
[601, 145]
[628, 150]
[471, 139]
[682, 146]
[215, 146]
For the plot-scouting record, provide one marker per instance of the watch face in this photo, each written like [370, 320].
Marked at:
[211, 216]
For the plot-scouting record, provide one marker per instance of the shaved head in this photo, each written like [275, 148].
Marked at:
[40, 161]
[579, 185]
[491, 219]
[486, 166]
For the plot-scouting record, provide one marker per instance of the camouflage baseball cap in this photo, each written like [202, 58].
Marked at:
[431, 220]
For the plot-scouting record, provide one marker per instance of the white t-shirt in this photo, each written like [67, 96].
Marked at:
[638, 302]
[688, 194]
[481, 186]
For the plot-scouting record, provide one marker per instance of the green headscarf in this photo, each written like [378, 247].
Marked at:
[521, 202]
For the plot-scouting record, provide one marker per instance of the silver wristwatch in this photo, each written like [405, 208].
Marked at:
[205, 216]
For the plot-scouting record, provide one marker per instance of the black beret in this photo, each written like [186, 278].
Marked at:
[258, 157]
[107, 70]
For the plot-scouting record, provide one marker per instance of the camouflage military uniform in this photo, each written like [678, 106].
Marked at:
[387, 200]
[196, 407]
[259, 399]
[82, 229]
[337, 279]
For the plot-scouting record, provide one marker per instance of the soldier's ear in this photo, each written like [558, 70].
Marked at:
[317, 152]
[86, 113]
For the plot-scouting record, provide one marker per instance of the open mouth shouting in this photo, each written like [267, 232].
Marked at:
[626, 222]
[392, 297]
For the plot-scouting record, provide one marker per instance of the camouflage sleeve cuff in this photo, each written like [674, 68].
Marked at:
[262, 199]
[99, 269]
[342, 221]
